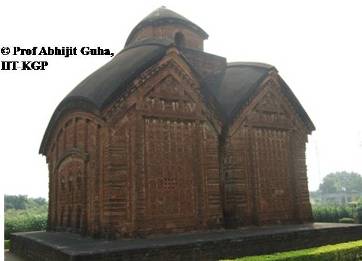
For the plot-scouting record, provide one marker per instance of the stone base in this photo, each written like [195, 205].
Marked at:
[211, 245]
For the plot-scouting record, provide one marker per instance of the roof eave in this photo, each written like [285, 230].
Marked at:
[295, 102]
[66, 106]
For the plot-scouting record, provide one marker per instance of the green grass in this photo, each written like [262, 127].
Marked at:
[6, 244]
[343, 251]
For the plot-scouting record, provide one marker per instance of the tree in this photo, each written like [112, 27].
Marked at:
[23, 202]
[341, 182]
[15, 202]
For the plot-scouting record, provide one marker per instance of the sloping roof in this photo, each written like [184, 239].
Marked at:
[242, 80]
[113, 77]
[226, 87]
[108, 82]
[297, 105]
[239, 81]
[163, 15]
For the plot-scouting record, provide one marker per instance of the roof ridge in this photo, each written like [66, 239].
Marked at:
[250, 64]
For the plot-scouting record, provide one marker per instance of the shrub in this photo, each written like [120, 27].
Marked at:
[24, 214]
[344, 251]
[6, 244]
[359, 214]
[331, 213]
[24, 223]
[346, 220]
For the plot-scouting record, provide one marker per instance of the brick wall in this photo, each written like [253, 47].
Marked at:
[264, 165]
[158, 160]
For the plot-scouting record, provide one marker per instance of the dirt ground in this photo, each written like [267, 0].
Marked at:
[11, 257]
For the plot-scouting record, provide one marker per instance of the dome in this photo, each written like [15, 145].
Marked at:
[164, 16]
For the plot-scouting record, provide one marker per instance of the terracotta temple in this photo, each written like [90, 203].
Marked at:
[167, 138]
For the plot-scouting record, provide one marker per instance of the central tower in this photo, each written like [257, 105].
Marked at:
[166, 24]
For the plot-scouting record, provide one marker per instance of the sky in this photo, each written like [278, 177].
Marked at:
[315, 45]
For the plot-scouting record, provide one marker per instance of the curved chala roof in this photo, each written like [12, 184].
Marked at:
[235, 84]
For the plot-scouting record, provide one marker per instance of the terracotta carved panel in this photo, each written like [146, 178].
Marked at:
[170, 97]
[70, 189]
[170, 168]
[273, 176]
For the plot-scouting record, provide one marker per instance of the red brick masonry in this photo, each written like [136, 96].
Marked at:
[167, 154]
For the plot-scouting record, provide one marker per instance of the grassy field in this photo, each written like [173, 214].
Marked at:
[343, 251]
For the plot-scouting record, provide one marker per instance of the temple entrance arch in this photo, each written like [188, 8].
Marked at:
[71, 186]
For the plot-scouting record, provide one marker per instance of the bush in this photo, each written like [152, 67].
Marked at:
[346, 220]
[344, 251]
[6, 244]
[359, 214]
[24, 222]
[331, 213]
[24, 214]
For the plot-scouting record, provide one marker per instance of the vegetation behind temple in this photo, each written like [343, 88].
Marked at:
[338, 188]
[339, 198]
[24, 214]
[338, 213]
